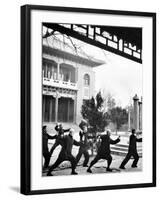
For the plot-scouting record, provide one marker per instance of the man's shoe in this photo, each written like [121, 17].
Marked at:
[74, 173]
[122, 167]
[49, 174]
[89, 170]
[109, 169]
[134, 166]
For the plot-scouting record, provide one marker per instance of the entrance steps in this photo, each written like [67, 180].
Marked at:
[122, 149]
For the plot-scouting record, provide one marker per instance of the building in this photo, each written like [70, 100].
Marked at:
[68, 80]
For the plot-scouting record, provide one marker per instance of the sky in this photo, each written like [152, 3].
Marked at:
[119, 76]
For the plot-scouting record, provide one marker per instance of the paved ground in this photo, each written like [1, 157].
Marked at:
[100, 167]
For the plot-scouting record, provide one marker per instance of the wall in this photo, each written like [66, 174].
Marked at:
[10, 103]
[82, 70]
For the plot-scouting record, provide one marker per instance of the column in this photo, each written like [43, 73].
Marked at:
[46, 71]
[52, 74]
[75, 109]
[136, 112]
[58, 67]
[56, 107]
[43, 74]
[68, 109]
[50, 110]
[129, 119]
[43, 109]
[140, 115]
[76, 74]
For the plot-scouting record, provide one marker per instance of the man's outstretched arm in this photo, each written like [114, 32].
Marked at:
[66, 130]
[115, 141]
[138, 139]
[51, 137]
[76, 143]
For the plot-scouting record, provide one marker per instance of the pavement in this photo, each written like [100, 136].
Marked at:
[99, 167]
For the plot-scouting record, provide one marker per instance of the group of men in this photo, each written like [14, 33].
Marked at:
[67, 141]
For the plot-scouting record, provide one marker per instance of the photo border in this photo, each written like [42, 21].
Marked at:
[26, 98]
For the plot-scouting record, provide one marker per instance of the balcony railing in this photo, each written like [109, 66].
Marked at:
[60, 83]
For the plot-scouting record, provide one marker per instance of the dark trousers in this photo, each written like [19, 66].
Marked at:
[54, 146]
[128, 157]
[98, 157]
[46, 156]
[62, 157]
[83, 151]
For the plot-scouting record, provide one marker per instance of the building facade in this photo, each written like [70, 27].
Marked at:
[68, 80]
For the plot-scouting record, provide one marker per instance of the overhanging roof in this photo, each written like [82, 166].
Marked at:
[128, 34]
[128, 42]
[72, 57]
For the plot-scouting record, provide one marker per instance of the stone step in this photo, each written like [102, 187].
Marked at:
[122, 153]
[126, 145]
[122, 150]
[119, 148]
[116, 147]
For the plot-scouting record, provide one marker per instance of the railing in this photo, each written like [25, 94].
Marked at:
[59, 83]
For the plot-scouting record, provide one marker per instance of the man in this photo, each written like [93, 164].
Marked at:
[46, 153]
[83, 123]
[67, 142]
[104, 151]
[83, 150]
[60, 133]
[132, 151]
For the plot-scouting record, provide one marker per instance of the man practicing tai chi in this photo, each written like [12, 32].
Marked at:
[67, 142]
[132, 151]
[83, 150]
[46, 153]
[60, 134]
[104, 151]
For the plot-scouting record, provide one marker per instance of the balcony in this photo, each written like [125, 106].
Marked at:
[59, 83]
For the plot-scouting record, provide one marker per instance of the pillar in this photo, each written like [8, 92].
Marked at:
[50, 110]
[56, 106]
[52, 74]
[75, 109]
[68, 111]
[43, 109]
[129, 119]
[58, 67]
[76, 75]
[46, 71]
[136, 112]
[43, 74]
[140, 115]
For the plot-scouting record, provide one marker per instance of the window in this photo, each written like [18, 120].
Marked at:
[86, 80]
[49, 69]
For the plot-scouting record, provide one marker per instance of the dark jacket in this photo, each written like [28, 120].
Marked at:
[132, 143]
[45, 138]
[104, 148]
[67, 143]
[83, 137]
